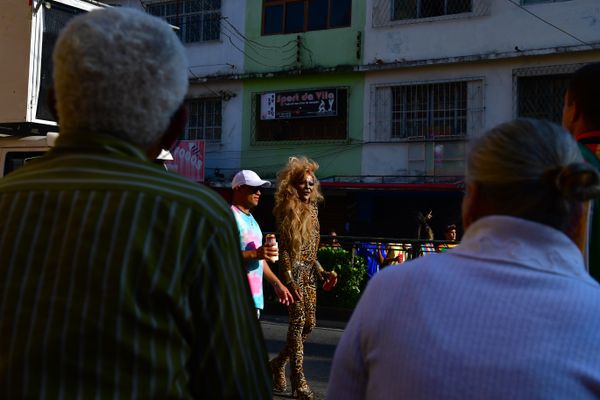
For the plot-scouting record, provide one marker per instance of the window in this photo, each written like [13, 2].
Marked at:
[204, 120]
[431, 111]
[299, 122]
[292, 16]
[541, 96]
[198, 20]
[413, 9]
[539, 91]
[526, 2]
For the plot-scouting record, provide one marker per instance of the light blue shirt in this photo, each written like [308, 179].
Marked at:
[510, 313]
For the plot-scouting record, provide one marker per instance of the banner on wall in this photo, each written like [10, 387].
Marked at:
[299, 104]
[188, 159]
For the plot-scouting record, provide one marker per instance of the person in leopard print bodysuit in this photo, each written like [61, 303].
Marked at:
[297, 196]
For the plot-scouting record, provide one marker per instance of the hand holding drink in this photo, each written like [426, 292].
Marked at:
[331, 281]
[271, 248]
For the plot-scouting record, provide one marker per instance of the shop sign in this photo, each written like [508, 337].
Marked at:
[188, 159]
[299, 104]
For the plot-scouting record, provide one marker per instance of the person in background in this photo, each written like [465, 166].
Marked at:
[511, 313]
[424, 231]
[581, 116]
[120, 279]
[296, 198]
[246, 187]
[333, 243]
[370, 252]
[449, 236]
[390, 254]
[162, 158]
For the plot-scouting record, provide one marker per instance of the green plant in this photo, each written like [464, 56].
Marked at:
[352, 277]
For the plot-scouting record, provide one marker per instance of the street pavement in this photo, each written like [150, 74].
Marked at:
[318, 350]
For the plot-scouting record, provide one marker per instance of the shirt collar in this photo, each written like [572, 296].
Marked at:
[587, 135]
[519, 241]
[99, 143]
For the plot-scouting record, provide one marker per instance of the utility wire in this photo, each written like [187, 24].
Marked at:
[219, 95]
[254, 41]
[250, 57]
[549, 23]
[256, 50]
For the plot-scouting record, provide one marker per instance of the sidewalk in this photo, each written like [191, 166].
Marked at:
[319, 350]
[321, 323]
[327, 317]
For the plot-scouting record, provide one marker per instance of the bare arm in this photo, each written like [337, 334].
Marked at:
[282, 292]
[260, 253]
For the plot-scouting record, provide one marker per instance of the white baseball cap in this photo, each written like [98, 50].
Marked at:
[165, 155]
[250, 178]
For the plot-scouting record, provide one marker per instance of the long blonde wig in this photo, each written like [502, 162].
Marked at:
[291, 213]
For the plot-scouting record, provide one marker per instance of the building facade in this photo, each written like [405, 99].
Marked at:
[384, 94]
[440, 72]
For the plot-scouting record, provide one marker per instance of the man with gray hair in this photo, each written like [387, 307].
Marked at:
[121, 279]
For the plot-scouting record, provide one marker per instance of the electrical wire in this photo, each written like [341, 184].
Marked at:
[257, 51]
[254, 41]
[549, 23]
[252, 58]
[309, 51]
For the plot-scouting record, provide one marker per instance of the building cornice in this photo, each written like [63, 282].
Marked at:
[381, 65]
[517, 53]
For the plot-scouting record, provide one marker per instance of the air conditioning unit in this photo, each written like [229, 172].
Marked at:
[28, 32]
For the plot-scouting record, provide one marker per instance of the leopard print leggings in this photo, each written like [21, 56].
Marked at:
[302, 319]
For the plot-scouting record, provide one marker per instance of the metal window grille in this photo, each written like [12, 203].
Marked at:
[412, 9]
[401, 12]
[527, 2]
[541, 96]
[429, 111]
[205, 120]
[539, 91]
[198, 20]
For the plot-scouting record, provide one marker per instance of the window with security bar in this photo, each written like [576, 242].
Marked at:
[444, 110]
[414, 9]
[541, 96]
[205, 120]
[197, 20]
[429, 111]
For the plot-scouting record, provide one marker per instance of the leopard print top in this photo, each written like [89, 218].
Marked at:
[303, 267]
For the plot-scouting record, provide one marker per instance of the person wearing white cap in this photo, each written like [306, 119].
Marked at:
[246, 187]
[163, 157]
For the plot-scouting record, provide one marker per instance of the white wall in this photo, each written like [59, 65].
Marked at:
[502, 27]
[498, 99]
[217, 58]
[226, 154]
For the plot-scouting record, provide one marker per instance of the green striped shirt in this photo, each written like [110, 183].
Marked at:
[121, 280]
